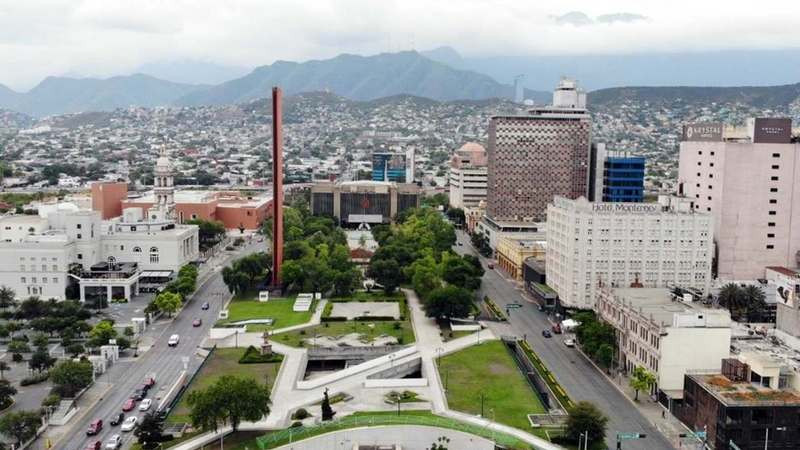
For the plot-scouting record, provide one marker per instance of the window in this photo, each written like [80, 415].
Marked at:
[78, 226]
[23, 280]
[708, 209]
[33, 280]
[770, 246]
[770, 235]
[711, 164]
[772, 213]
[773, 189]
[137, 250]
[699, 163]
[44, 267]
[55, 280]
[710, 186]
[775, 167]
[711, 175]
[80, 255]
[22, 268]
[699, 152]
[55, 267]
[44, 280]
[698, 174]
[712, 153]
[79, 235]
[773, 201]
[773, 178]
[121, 248]
[154, 255]
[194, 216]
[776, 155]
[709, 197]
[771, 224]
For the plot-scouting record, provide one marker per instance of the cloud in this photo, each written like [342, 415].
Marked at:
[110, 37]
[580, 19]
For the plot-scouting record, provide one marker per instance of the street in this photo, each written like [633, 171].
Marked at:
[577, 375]
[165, 362]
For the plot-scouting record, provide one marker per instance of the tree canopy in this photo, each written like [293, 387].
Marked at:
[229, 400]
[20, 425]
[586, 417]
[69, 377]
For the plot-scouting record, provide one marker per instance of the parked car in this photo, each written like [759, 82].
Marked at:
[149, 382]
[205, 306]
[145, 405]
[139, 394]
[117, 419]
[197, 322]
[556, 328]
[569, 342]
[114, 442]
[490, 266]
[129, 424]
[128, 405]
[546, 333]
[94, 427]
[173, 340]
[96, 445]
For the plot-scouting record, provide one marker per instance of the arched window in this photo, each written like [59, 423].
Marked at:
[137, 249]
[154, 255]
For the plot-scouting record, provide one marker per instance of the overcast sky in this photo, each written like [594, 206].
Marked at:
[110, 37]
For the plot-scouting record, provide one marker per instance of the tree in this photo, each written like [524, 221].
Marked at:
[461, 271]
[41, 360]
[448, 301]
[641, 380]
[209, 232]
[327, 411]
[19, 347]
[731, 298]
[385, 272]
[755, 301]
[7, 391]
[21, 425]
[7, 297]
[69, 377]
[101, 333]
[456, 215]
[149, 431]
[229, 400]
[3, 367]
[604, 355]
[168, 302]
[75, 349]
[585, 417]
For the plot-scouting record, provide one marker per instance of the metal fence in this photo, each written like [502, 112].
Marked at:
[295, 434]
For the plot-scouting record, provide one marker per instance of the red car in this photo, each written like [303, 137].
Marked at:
[150, 382]
[197, 322]
[129, 405]
[94, 427]
[96, 445]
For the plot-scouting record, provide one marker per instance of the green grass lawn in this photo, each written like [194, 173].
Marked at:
[278, 309]
[488, 368]
[294, 338]
[224, 361]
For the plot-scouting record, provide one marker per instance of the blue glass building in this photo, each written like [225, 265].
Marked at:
[389, 167]
[623, 179]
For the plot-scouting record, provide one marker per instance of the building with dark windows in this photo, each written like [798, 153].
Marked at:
[390, 166]
[615, 176]
[742, 407]
[357, 202]
[536, 156]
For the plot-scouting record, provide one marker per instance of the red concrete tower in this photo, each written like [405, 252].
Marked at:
[277, 186]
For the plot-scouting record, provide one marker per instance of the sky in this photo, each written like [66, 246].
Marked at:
[102, 38]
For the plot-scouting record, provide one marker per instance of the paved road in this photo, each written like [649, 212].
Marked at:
[575, 373]
[163, 361]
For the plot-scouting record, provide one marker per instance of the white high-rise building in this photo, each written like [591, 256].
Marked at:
[468, 176]
[624, 245]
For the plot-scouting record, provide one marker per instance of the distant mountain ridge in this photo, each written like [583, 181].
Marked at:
[758, 96]
[60, 95]
[358, 78]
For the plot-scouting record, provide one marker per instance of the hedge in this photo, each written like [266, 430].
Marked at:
[375, 318]
[494, 309]
[253, 356]
[547, 376]
[35, 379]
[333, 319]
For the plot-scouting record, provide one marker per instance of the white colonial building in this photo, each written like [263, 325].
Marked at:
[41, 255]
[623, 245]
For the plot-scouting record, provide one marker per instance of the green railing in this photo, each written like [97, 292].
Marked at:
[289, 435]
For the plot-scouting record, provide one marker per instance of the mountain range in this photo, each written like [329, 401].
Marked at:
[351, 76]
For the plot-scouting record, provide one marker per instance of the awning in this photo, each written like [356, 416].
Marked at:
[156, 274]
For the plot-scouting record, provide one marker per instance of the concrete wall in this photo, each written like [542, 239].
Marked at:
[107, 198]
[684, 349]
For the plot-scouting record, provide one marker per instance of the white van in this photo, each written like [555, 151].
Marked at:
[173, 340]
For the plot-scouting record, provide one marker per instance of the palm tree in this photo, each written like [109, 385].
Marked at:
[755, 302]
[731, 297]
[7, 296]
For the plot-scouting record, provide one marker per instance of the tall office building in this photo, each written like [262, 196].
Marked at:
[536, 156]
[390, 166]
[468, 175]
[747, 179]
[615, 176]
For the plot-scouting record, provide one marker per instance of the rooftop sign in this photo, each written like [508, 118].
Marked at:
[626, 207]
[702, 132]
[772, 131]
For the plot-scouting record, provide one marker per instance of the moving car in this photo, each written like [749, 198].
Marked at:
[145, 405]
[114, 442]
[128, 405]
[117, 419]
[94, 427]
[129, 424]
[546, 333]
[205, 306]
[150, 382]
[197, 322]
[96, 445]
[173, 340]
[556, 328]
[490, 266]
[569, 342]
[139, 394]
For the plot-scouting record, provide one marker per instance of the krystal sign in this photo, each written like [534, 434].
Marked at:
[772, 130]
[702, 132]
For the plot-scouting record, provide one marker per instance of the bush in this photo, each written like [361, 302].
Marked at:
[16, 357]
[333, 319]
[374, 318]
[253, 356]
[35, 379]
[301, 414]
[296, 425]
[51, 400]
[397, 326]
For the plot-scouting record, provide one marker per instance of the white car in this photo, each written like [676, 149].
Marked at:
[145, 405]
[129, 424]
[113, 442]
[569, 342]
[173, 340]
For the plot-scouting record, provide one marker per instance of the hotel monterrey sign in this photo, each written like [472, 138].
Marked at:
[645, 208]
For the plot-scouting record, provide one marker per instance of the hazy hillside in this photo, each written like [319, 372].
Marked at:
[59, 95]
[758, 96]
[357, 78]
